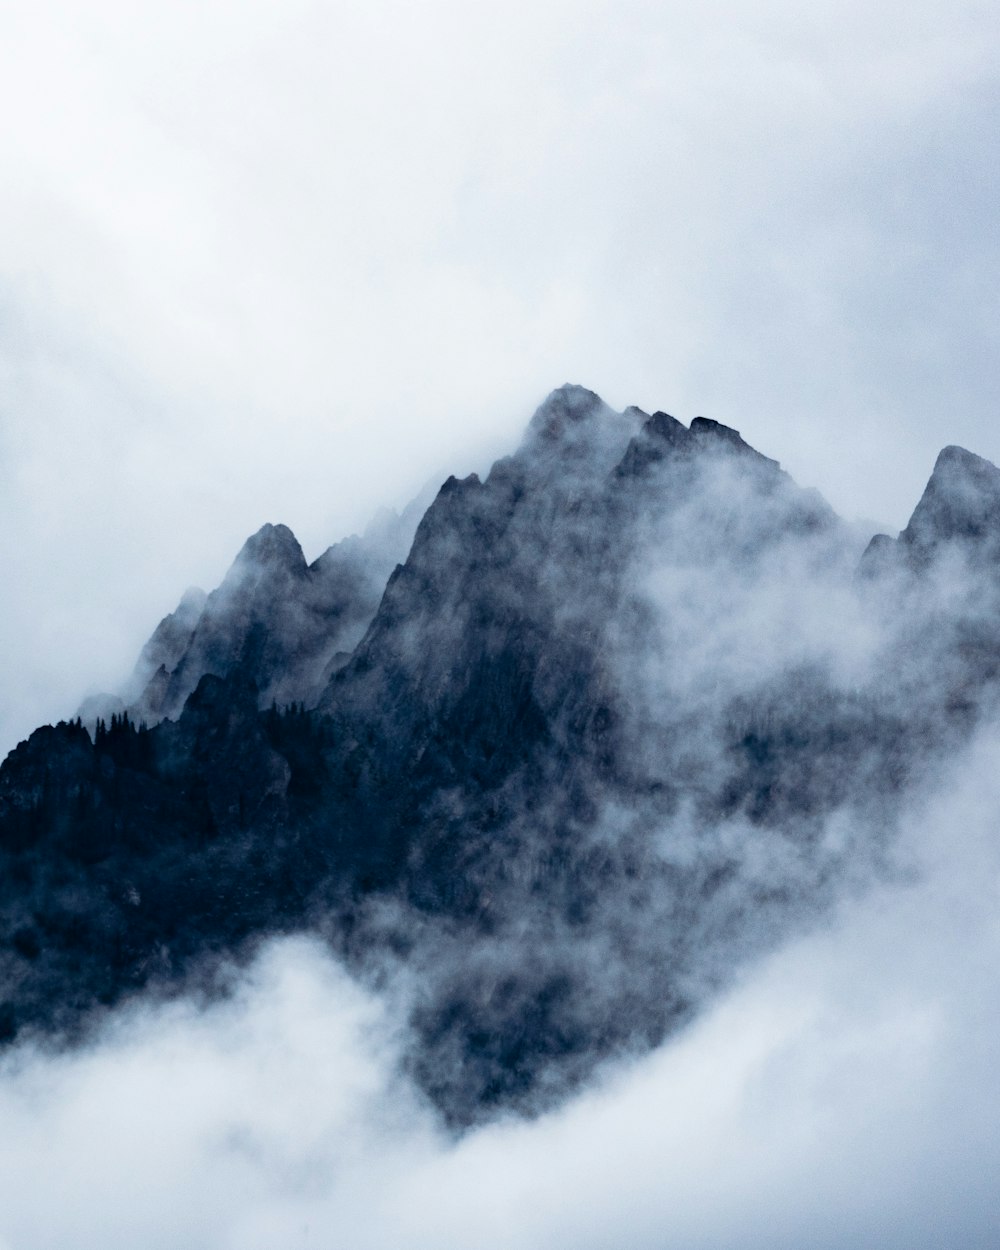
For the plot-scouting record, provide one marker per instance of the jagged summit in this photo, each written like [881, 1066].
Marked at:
[564, 407]
[272, 547]
[663, 426]
[659, 436]
[282, 625]
[662, 436]
[961, 503]
[290, 626]
[958, 514]
[573, 429]
[709, 433]
[574, 434]
[569, 748]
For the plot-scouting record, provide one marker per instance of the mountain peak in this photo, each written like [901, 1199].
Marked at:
[272, 545]
[659, 435]
[961, 501]
[575, 437]
[708, 432]
[960, 456]
[566, 406]
[541, 734]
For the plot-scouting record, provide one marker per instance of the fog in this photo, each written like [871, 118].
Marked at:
[284, 263]
[843, 1093]
[835, 1082]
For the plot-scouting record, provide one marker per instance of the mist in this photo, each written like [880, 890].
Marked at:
[842, 1093]
[679, 803]
[278, 264]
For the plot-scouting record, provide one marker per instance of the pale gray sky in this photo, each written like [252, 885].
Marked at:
[283, 262]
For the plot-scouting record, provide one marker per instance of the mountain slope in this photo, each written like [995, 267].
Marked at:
[633, 708]
[281, 623]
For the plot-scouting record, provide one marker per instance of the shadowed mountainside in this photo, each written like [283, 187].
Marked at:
[633, 708]
[279, 622]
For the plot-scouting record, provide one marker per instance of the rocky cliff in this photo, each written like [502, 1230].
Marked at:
[632, 708]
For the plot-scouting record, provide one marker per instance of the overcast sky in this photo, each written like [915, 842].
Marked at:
[284, 262]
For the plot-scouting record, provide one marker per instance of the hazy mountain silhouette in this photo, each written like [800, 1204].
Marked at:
[631, 709]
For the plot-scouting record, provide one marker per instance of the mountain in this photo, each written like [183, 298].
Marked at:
[632, 709]
[957, 517]
[280, 623]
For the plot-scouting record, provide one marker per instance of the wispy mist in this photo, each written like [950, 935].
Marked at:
[283, 265]
[664, 780]
[635, 709]
[844, 1093]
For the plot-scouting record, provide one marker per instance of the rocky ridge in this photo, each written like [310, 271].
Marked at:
[632, 708]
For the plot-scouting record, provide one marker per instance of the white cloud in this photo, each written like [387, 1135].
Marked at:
[284, 262]
[845, 1093]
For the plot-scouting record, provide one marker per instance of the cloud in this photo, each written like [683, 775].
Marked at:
[283, 263]
[844, 1093]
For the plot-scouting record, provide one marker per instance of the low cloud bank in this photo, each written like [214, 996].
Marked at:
[845, 1093]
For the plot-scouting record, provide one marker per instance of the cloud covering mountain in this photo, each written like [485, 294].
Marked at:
[843, 1093]
[620, 868]
[284, 262]
[634, 710]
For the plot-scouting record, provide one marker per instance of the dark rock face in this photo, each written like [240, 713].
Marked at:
[958, 517]
[625, 715]
[281, 623]
[961, 505]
